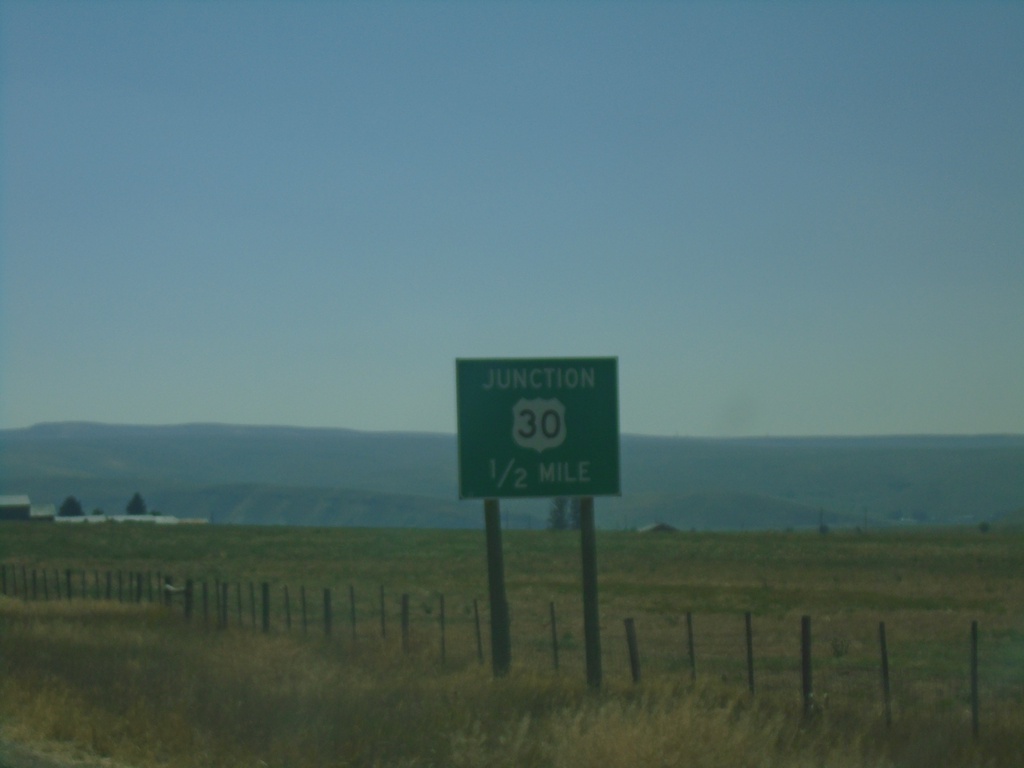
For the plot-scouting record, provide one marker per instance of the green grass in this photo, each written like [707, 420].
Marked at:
[139, 684]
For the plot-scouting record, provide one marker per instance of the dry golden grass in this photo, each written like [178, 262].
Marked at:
[139, 686]
[136, 684]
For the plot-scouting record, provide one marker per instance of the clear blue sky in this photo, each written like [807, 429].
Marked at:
[783, 218]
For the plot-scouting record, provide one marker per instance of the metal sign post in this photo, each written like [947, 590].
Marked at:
[591, 621]
[501, 640]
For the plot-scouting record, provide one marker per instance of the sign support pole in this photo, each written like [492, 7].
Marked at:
[591, 621]
[501, 642]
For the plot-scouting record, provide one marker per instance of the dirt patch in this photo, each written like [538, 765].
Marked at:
[43, 756]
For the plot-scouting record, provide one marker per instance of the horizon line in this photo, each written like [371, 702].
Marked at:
[72, 423]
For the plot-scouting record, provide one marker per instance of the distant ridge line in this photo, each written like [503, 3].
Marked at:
[335, 476]
[915, 439]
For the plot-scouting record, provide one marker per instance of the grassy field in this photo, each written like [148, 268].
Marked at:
[136, 683]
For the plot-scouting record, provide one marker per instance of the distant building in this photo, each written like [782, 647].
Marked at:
[21, 509]
[44, 513]
[15, 508]
[658, 528]
[147, 519]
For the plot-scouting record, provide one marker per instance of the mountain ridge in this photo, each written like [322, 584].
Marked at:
[340, 476]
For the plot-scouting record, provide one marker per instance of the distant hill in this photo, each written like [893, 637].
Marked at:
[284, 475]
[283, 505]
[920, 479]
[717, 510]
[1014, 519]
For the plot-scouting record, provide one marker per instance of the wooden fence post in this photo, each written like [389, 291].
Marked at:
[479, 636]
[748, 622]
[886, 694]
[405, 623]
[327, 611]
[805, 664]
[287, 610]
[189, 587]
[218, 600]
[266, 607]
[224, 605]
[689, 645]
[352, 610]
[975, 713]
[634, 651]
[252, 604]
[441, 617]
[302, 604]
[554, 635]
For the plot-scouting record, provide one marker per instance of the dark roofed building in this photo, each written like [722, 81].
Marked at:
[15, 508]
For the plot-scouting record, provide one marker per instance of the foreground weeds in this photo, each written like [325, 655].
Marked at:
[141, 687]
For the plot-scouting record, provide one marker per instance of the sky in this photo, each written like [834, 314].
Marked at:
[784, 219]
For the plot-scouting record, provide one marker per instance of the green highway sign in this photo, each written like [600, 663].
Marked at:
[538, 427]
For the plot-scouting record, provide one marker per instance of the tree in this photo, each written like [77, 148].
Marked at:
[564, 514]
[574, 513]
[558, 516]
[136, 506]
[70, 507]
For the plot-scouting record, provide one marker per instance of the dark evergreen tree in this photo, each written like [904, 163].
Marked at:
[70, 507]
[558, 516]
[136, 506]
